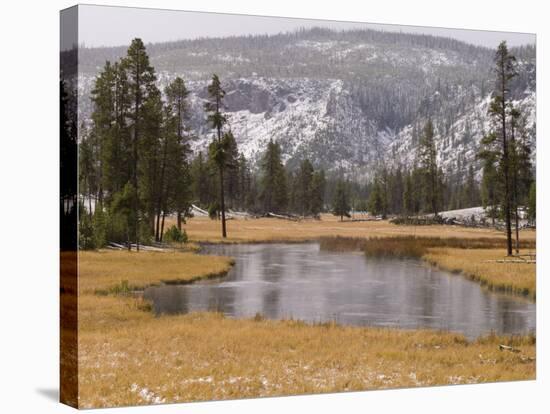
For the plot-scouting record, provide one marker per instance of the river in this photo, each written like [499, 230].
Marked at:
[301, 281]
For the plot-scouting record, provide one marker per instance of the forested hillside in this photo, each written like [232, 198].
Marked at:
[343, 99]
[300, 123]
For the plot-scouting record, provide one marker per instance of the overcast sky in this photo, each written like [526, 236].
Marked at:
[116, 26]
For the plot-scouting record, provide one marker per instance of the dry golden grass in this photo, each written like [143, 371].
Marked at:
[129, 357]
[480, 265]
[106, 270]
[271, 229]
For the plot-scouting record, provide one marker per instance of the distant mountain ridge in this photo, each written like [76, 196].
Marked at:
[350, 100]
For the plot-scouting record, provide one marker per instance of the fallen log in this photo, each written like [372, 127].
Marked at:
[283, 217]
[510, 261]
[508, 348]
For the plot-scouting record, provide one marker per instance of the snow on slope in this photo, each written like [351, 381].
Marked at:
[458, 147]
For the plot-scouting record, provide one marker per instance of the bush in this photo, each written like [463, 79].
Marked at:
[86, 240]
[99, 223]
[175, 235]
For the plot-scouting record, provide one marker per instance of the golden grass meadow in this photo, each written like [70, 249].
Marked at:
[129, 356]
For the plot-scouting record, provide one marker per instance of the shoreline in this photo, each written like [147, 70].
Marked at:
[428, 257]
[172, 356]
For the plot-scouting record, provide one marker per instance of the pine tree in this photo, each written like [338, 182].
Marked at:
[304, 187]
[274, 194]
[244, 182]
[490, 185]
[340, 204]
[178, 160]
[408, 195]
[152, 153]
[397, 188]
[106, 127]
[428, 164]
[471, 189]
[520, 164]
[231, 170]
[202, 186]
[141, 90]
[514, 166]
[497, 143]
[217, 148]
[318, 184]
[376, 203]
[88, 167]
[68, 165]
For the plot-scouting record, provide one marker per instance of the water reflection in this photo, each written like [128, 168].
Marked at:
[300, 281]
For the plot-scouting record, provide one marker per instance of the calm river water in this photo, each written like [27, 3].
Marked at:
[303, 282]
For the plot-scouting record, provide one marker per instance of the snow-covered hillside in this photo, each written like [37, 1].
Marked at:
[348, 101]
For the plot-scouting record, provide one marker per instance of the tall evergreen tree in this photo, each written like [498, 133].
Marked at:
[274, 194]
[490, 185]
[376, 203]
[497, 143]
[141, 90]
[318, 184]
[340, 204]
[244, 178]
[408, 196]
[232, 170]
[218, 149]
[304, 187]
[471, 189]
[202, 186]
[178, 167]
[428, 163]
[88, 167]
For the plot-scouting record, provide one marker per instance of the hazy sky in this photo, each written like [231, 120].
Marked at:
[115, 26]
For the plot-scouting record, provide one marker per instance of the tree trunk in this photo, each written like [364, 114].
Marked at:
[128, 235]
[222, 195]
[506, 165]
[157, 231]
[135, 150]
[161, 194]
[517, 231]
[515, 181]
[222, 202]
[179, 220]
[162, 225]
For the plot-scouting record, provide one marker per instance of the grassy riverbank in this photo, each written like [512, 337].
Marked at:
[202, 229]
[483, 259]
[107, 271]
[127, 356]
[488, 267]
